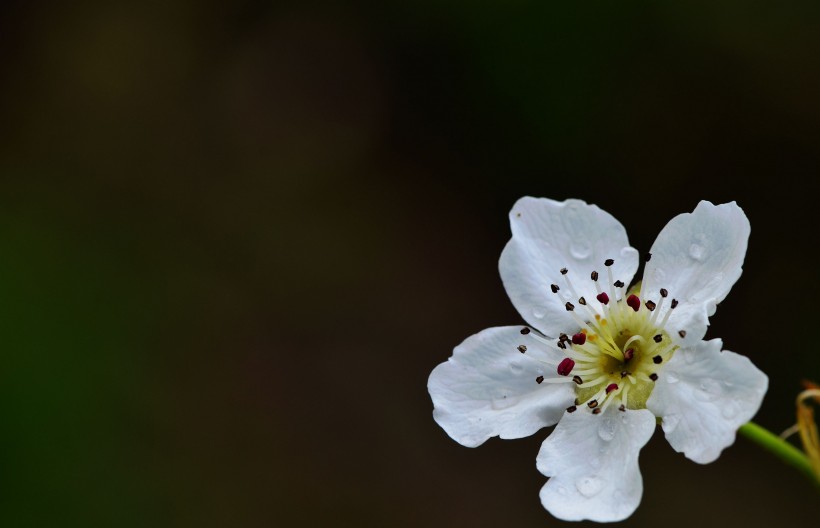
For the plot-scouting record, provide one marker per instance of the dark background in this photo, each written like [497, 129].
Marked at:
[236, 237]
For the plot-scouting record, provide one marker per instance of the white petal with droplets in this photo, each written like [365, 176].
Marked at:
[488, 388]
[697, 257]
[593, 464]
[550, 235]
[703, 396]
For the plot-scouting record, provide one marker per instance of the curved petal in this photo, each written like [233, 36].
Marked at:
[697, 257]
[703, 396]
[488, 388]
[593, 462]
[548, 236]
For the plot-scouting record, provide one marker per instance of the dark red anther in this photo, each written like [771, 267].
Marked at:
[633, 302]
[611, 387]
[579, 339]
[565, 366]
[629, 354]
[603, 298]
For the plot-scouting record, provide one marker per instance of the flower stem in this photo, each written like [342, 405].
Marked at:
[780, 448]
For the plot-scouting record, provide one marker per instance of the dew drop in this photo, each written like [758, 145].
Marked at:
[606, 430]
[589, 486]
[729, 410]
[696, 251]
[709, 389]
[539, 312]
[670, 422]
[580, 250]
[671, 378]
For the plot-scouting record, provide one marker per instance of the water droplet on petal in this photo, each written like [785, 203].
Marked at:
[606, 430]
[729, 410]
[539, 312]
[589, 486]
[670, 422]
[696, 251]
[709, 389]
[671, 378]
[580, 250]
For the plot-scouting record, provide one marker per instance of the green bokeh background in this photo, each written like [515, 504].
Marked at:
[236, 237]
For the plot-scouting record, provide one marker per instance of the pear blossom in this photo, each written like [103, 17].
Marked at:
[604, 361]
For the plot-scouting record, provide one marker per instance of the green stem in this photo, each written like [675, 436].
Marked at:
[780, 448]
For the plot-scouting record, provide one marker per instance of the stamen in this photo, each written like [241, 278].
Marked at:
[633, 302]
[564, 271]
[571, 409]
[592, 404]
[622, 408]
[664, 292]
[577, 380]
[579, 339]
[582, 301]
[682, 333]
[566, 366]
[561, 345]
[611, 387]
[629, 354]
[594, 275]
[525, 331]
[603, 298]
[619, 283]
[609, 262]
[569, 306]
[522, 348]
[658, 338]
[657, 360]
[554, 288]
[539, 379]
[674, 303]
[650, 305]
[596, 411]
[653, 377]
[647, 257]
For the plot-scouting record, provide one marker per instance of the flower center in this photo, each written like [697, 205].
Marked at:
[618, 348]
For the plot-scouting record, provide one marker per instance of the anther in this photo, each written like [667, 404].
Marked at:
[554, 288]
[594, 275]
[611, 387]
[664, 293]
[647, 257]
[629, 353]
[582, 301]
[571, 409]
[682, 333]
[657, 359]
[579, 339]
[569, 306]
[539, 379]
[624, 374]
[619, 284]
[603, 298]
[592, 404]
[522, 348]
[525, 331]
[596, 411]
[565, 366]
[564, 271]
[622, 408]
[674, 304]
[653, 377]
[658, 338]
[609, 262]
[577, 380]
[650, 306]
[633, 302]
[561, 345]
[563, 337]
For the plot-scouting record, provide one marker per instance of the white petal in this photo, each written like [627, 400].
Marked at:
[549, 235]
[703, 396]
[697, 257]
[487, 388]
[593, 462]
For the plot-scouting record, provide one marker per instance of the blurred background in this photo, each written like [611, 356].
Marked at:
[236, 237]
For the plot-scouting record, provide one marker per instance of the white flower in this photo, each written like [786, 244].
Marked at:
[603, 362]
